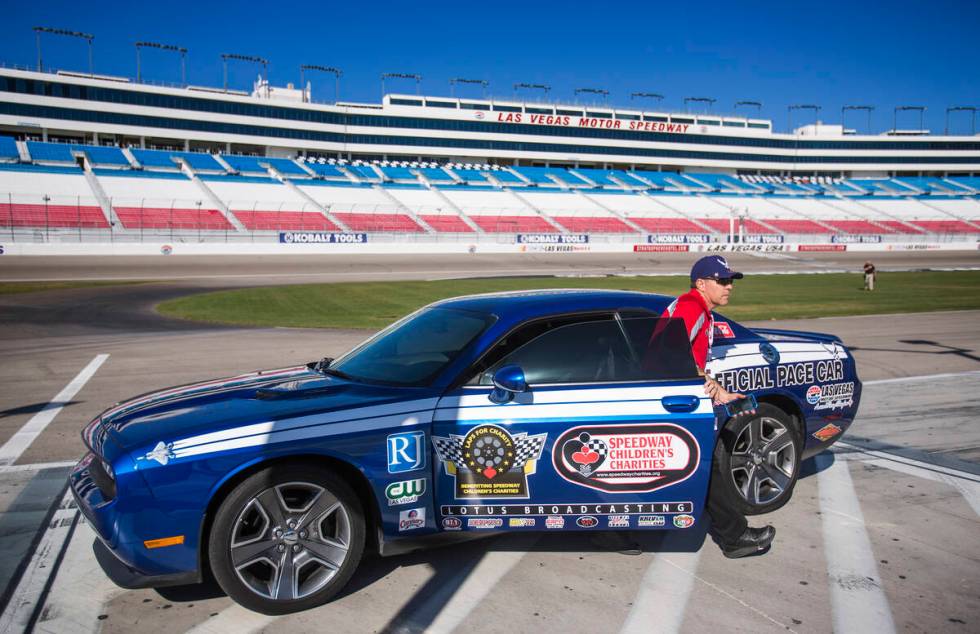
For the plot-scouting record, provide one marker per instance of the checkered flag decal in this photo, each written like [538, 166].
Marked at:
[598, 446]
[450, 449]
[527, 448]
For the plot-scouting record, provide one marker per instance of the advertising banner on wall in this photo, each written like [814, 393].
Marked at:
[321, 237]
[678, 238]
[552, 238]
[862, 239]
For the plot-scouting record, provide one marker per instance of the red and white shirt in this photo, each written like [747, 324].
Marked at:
[699, 322]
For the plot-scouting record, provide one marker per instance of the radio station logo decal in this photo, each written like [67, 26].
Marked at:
[452, 523]
[618, 521]
[683, 521]
[489, 462]
[404, 492]
[651, 520]
[723, 330]
[554, 521]
[484, 522]
[626, 458]
[521, 522]
[587, 521]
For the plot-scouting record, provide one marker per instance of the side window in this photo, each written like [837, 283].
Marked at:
[594, 351]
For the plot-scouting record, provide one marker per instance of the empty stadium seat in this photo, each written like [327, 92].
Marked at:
[165, 158]
[594, 224]
[946, 226]
[252, 164]
[285, 221]
[53, 152]
[164, 218]
[62, 216]
[668, 225]
[856, 226]
[447, 224]
[8, 148]
[513, 224]
[796, 226]
[721, 225]
[399, 223]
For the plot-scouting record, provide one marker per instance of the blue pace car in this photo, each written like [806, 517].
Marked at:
[545, 410]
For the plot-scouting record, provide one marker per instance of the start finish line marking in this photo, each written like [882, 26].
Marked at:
[22, 439]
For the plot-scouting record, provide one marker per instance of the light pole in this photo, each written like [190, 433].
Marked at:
[867, 108]
[706, 100]
[801, 106]
[973, 117]
[543, 87]
[323, 69]
[648, 95]
[753, 104]
[593, 91]
[460, 80]
[921, 110]
[246, 58]
[46, 29]
[163, 47]
[415, 76]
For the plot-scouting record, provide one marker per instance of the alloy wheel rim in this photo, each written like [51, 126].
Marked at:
[290, 540]
[763, 461]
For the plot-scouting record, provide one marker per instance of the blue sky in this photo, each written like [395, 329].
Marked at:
[829, 53]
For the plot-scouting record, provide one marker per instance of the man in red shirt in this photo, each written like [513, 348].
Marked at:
[711, 286]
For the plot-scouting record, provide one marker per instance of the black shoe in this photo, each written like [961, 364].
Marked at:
[751, 542]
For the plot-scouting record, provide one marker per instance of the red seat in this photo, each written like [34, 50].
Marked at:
[285, 221]
[602, 224]
[400, 223]
[856, 226]
[900, 227]
[513, 224]
[447, 224]
[668, 225]
[721, 225]
[945, 226]
[796, 226]
[71, 216]
[167, 218]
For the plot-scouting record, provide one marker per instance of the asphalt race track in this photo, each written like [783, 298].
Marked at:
[881, 535]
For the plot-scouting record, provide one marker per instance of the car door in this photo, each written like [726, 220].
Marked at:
[613, 429]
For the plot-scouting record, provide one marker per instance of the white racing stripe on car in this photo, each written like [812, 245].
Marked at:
[316, 431]
[33, 583]
[363, 414]
[477, 396]
[856, 596]
[22, 439]
[565, 411]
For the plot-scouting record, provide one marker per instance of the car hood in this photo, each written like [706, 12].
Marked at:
[218, 405]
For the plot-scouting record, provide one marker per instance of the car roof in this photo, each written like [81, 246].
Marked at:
[532, 303]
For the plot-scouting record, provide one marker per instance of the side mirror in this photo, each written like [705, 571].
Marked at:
[507, 381]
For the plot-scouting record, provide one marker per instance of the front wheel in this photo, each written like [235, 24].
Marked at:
[287, 539]
[759, 459]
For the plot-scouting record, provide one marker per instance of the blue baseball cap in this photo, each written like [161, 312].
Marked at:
[714, 267]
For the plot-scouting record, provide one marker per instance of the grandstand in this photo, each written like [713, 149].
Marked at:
[643, 176]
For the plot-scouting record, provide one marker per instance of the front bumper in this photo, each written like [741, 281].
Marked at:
[127, 577]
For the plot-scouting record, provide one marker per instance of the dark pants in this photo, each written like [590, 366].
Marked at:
[727, 522]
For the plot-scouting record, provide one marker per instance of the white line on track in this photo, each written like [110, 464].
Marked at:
[660, 602]
[31, 587]
[37, 466]
[856, 596]
[888, 459]
[924, 377]
[22, 439]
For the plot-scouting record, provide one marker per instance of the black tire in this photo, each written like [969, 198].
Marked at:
[272, 567]
[758, 463]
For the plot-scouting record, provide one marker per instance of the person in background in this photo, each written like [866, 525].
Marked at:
[711, 287]
[870, 273]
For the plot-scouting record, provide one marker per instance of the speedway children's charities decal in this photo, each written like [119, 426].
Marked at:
[489, 462]
[626, 458]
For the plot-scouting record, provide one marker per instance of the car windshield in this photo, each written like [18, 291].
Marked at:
[414, 350]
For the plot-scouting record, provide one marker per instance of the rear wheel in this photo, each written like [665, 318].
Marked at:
[760, 462]
[287, 539]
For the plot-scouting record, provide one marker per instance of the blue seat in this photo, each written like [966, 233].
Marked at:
[8, 148]
[54, 152]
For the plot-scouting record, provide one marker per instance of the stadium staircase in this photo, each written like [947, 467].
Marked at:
[400, 206]
[585, 178]
[22, 152]
[99, 194]
[526, 203]
[337, 222]
[450, 204]
[132, 159]
[224, 164]
[210, 195]
[659, 200]
[620, 216]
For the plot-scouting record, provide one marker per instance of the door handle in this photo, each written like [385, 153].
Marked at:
[679, 404]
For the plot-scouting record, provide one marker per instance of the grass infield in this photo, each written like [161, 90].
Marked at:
[374, 305]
